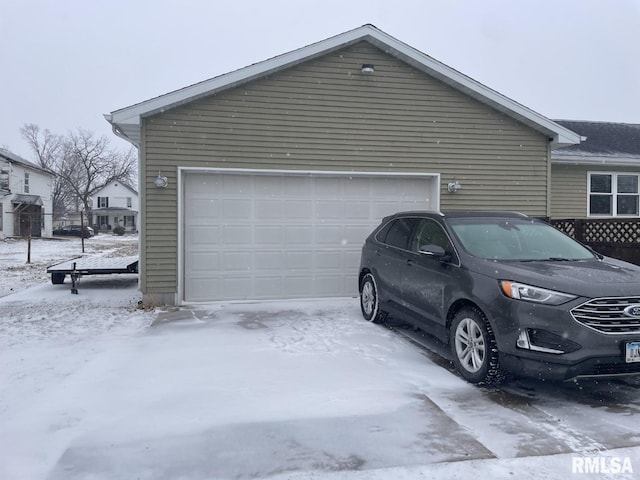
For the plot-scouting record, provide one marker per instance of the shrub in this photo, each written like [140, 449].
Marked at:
[118, 230]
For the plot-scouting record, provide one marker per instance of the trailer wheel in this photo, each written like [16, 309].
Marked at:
[57, 278]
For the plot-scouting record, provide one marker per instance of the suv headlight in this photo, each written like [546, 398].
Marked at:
[528, 293]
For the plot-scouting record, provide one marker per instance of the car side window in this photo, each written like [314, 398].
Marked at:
[428, 232]
[398, 233]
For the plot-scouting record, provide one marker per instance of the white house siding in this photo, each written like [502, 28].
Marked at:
[40, 184]
[118, 194]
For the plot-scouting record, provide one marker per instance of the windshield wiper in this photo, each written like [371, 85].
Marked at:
[550, 259]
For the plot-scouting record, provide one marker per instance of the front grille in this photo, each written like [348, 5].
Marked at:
[613, 369]
[607, 315]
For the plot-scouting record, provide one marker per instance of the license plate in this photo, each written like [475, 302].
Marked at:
[633, 352]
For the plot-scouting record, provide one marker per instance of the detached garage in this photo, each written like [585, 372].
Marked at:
[262, 235]
[264, 182]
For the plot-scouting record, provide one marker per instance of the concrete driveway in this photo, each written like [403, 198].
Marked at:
[310, 390]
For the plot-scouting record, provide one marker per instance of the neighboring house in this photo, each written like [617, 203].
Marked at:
[263, 183]
[69, 218]
[26, 197]
[115, 204]
[600, 177]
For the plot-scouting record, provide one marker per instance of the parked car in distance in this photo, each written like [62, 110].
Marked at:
[509, 294]
[74, 231]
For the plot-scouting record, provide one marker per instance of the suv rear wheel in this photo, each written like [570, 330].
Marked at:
[369, 303]
[473, 346]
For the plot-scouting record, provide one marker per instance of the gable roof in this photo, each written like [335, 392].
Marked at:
[124, 184]
[126, 121]
[13, 158]
[606, 143]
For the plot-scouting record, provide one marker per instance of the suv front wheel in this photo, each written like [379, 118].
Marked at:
[473, 346]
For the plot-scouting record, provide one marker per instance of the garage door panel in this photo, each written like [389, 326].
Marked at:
[201, 288]
[359, 211]
[205, 261]
[260, 236]
[329, 285]
[235, 209]
[299, 285]
[299, 209]
[236, 286]
[299, 186]
[269, 235]
[202, 235]
[358, 187]
[269, 261]
[269, 287]
[268, 208]
[236, 261]
[268, 185]
[329, 235]
[302, 235]
[332, 259]
[383, 209]
[235, 186]
[236, 235]
[330, 209]
[202, 185]
[204, 207]
[352, 260]
[298, 261]
[355, 234]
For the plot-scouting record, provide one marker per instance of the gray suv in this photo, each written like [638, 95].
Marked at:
[507, 293]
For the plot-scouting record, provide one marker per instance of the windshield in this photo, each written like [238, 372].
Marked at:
[516, 239]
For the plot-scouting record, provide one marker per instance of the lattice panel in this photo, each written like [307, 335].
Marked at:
[565, 226]
[621, 231]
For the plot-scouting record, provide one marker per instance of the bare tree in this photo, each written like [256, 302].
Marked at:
[48, 149]
[89, 164]
[82, 162]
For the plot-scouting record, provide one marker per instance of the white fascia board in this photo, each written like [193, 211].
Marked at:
[126, 121]
[595, 160]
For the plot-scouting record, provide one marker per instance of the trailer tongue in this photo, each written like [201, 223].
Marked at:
[77, 267]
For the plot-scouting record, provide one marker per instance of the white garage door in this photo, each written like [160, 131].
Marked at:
[261, 236]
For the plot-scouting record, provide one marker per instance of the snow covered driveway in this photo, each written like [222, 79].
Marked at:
[91, 387]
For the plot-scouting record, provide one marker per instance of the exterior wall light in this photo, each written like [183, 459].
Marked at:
[160, 181]
[368, 68]
[454, 186]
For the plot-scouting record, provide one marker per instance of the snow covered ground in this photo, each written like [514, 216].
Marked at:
[93, 387]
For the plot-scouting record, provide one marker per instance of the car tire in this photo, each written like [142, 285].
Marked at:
[369, 301]
[473, 347]
[57, 278]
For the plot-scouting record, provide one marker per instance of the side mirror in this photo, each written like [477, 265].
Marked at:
[436, 252]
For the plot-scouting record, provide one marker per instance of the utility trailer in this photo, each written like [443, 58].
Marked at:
[77, 267]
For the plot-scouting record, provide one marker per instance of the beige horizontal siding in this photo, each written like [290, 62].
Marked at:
[326, 115]
[568, 191]
[569, 184]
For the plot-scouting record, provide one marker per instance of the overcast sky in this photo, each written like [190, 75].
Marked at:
[65, 63]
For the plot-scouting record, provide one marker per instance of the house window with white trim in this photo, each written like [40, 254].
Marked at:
[613, 194]
[26, 182]
[129, 202]
[103, 202]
